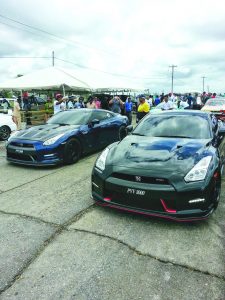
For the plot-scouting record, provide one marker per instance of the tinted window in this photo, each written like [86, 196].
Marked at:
[189, 126]
[100, 115]
[77, 117]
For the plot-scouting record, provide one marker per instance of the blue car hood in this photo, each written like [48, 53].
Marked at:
[44, 132]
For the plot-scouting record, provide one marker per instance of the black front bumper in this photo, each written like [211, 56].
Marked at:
[159, 200]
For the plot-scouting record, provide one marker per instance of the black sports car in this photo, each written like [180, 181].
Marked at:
[65, 137]
[170, 166]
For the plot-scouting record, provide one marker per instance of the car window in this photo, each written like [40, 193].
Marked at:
[184, 126]
[101, 115]
[77, 117]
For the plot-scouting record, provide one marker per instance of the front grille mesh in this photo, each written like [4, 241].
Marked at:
[141, 179]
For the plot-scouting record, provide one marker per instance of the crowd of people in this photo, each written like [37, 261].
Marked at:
[140, 104]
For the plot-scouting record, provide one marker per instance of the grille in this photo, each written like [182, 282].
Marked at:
[23, 157]
[141, 179]
[22, 145]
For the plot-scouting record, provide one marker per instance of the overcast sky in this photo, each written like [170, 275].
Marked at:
[137, 40]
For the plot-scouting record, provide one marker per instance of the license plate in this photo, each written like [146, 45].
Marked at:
[19, 151]
[135, 192]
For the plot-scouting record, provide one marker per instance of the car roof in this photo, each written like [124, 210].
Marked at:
[182, 112]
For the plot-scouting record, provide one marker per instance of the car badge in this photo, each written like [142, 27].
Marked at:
[138, 178]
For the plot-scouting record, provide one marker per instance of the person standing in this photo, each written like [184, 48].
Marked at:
[143, 108]
[128, 109]
[116, 104]
[58, 103]
[166, 104]
[17, 115]
[97, 102]
[105, 103]
[48, 109]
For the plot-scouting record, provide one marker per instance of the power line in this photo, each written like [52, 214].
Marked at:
[81, 66]
[18, 57]
[114, 74]
[56, 36]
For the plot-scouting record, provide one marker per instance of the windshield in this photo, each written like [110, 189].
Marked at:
[185, 126]
[215, 102]
[77, 117]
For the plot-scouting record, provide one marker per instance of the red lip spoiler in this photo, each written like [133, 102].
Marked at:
[169, 210]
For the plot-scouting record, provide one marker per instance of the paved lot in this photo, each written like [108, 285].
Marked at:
[55, 244]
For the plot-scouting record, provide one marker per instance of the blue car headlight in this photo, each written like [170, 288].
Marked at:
[53, 140]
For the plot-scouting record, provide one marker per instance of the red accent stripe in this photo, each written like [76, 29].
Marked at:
[107, 199]
[150, 214]
[169, 210]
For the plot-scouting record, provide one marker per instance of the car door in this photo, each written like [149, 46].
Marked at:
[109, 127]
[93, 135]
[221, 139]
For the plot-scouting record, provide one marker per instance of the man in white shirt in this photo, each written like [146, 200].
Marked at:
[166, 104]
[58, 103]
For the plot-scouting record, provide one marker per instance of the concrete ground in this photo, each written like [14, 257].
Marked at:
[56, 244]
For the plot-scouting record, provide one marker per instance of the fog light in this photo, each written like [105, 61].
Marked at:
[197, 200]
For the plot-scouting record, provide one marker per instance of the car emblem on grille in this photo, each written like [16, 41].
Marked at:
[138, 178]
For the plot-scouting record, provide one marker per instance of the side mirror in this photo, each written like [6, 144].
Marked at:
[94, 122]
[129, 128]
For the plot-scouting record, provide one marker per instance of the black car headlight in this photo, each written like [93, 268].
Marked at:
[53, 140]
[199, 171]
[100, 163]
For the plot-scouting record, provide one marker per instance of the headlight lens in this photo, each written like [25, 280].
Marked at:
[14, 134]
[100, 163]
[53, 140]
[199, 171]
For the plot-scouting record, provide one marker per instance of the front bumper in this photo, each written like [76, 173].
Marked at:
[159, 200]
[25, 152]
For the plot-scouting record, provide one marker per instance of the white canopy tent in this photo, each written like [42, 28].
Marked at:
[57, 78]
[46, 79]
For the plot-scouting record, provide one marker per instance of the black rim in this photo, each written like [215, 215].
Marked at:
[72, 151]
[4, 133]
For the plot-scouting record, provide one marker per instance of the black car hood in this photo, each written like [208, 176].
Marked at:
[161, 155]
[44, 132]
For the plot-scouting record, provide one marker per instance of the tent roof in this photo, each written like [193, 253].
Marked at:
[55, 77]
[48, 78]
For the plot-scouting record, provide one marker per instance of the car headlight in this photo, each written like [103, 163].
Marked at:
[52, 140]
[14, 134]
[199, 171]
[100, 163]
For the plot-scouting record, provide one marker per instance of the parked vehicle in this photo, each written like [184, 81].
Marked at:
[170, 167]
[6, 126]
[65, 137]
[217, 106]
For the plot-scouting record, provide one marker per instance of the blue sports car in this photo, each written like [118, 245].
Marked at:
[65, 137]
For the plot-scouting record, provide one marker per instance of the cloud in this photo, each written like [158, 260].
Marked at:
[136, 39]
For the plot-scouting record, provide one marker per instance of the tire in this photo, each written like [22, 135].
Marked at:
[4, 133]
[216, 193]
[122, 133]
[72, 151]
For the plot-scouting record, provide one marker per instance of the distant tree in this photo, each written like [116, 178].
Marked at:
[19, 75]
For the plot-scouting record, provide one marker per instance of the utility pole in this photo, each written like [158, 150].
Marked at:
[203, 83]
[53, 58]
[173, 66]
